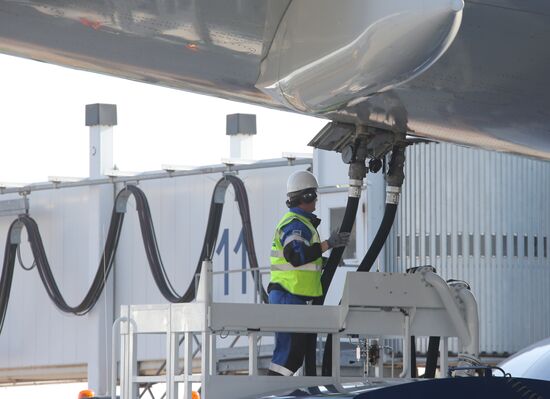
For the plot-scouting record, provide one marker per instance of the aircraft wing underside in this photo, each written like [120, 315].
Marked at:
[489, 87]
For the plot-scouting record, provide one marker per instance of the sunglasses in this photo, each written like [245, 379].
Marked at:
[309, 197]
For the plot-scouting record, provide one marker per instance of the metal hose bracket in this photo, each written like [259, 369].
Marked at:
[121, 202]
[15, 233]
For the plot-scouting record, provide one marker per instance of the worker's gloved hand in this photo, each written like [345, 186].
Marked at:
[338, 239]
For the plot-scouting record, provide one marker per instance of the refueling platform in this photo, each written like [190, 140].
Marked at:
[381, 305]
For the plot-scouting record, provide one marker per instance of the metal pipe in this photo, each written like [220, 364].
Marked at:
[392, 362]
[256, 277]
[116, 323]
[472, 320]
[337, 189]
[114, 334]
[232, 271]
[151, 176]
[392, 358]
[450, 305]
[406, 347]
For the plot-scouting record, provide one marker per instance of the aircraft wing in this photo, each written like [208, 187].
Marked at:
[476, 76]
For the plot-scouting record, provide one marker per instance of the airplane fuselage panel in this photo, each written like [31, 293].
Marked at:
[489, 89]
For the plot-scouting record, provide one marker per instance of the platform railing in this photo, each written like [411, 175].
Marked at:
[257, 276]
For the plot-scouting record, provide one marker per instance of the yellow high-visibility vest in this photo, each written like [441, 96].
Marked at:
[304, 280]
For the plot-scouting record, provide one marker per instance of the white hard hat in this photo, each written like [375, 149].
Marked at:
[301, 180]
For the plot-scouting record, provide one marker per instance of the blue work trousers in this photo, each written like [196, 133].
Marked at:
[289, 352]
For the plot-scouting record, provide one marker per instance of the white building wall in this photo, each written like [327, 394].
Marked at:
[35, 332]
[460, 211]
[37, 335]
[449, 191]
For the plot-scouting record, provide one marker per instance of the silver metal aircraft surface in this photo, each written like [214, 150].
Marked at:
[476, 73]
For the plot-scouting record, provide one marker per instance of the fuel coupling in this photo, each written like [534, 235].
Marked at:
[395, 174]
[357, 172]
[355, 154]
[362, 143]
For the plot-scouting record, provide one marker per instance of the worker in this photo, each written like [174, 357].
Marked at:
[296, 265]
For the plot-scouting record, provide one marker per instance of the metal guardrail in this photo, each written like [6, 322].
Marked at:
[257, 273]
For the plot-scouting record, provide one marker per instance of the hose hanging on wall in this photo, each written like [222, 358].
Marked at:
[44, 269]
[209, 243]
[111, 243]
[7, 277]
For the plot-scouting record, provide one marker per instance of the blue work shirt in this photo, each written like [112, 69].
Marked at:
[298, 228]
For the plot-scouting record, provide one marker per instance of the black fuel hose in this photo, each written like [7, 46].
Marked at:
[431, 357]
[45, 271]
[413, 367]
[310, 367]
[7, 276]
[111, 243]
[394, 178]
[336, 254]
[380, 238]
[365, 266]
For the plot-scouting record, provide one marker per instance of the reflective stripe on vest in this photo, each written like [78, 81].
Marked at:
[302, 280]
[287, 266]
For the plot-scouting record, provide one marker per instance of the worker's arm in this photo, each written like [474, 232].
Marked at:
[297, 248]
[335, 240]
[303, 254]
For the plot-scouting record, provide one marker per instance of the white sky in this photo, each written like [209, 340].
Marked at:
[43, 133]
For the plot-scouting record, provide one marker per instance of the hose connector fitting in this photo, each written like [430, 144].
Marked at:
[355, 187]
[392, 195]
[357, 172]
